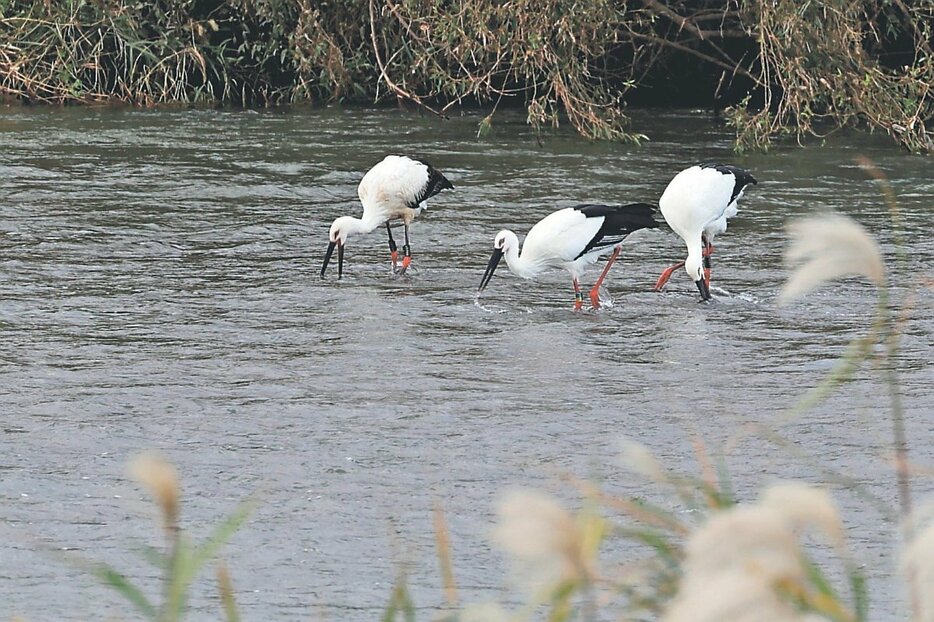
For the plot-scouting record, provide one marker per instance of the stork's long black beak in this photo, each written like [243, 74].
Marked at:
[704, 289]
[327, 257]
[340, 258]
[340, 261]
[491, 268]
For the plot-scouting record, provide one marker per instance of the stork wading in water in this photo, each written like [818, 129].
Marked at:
[696, 204]
[395, 189]
[572, 239]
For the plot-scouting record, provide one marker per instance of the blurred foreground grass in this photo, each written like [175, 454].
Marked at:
[183, 559]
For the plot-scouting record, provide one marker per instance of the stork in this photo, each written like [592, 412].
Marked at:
[396, 188]
[696, 204]
[573, 239]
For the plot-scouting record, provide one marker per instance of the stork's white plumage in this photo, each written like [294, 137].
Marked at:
[396, 188]
[696, 204]
[572, 239]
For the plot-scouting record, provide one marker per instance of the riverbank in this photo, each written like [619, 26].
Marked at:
[778, 71]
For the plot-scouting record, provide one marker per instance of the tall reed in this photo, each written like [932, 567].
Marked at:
[184, 559]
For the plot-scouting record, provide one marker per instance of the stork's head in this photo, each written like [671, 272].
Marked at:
[504, 242]
[340, 230]
[694, 266]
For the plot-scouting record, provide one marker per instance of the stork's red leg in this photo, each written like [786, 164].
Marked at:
[578, 296]
[660, 283]
[595, 290]
[406, 251]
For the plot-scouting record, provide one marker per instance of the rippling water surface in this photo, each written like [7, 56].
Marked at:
[159, 289]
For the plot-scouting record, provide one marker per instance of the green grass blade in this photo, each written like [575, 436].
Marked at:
[858, 585]
[669, 553]
[818, 580]
[726, 483]
[118, 582]
[179, 576]
[154, 556]
[189, 560]
[648, 513]
[400, 601]
[222, 533]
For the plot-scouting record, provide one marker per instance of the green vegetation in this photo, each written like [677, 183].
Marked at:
[781, 68]
[184, 559]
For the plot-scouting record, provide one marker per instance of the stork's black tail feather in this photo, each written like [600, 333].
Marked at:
[622, 218]
[641, 215]
[436, 183]
[619, 221]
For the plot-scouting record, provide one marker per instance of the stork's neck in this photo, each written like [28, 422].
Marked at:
[521, 266]
[695, 258]
[696, 248]
[345, 226]
[367, 224]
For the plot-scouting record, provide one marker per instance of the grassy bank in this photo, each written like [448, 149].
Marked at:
[780, 69]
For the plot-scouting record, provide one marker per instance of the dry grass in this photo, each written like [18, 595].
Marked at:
[820, 69]
[808, 67]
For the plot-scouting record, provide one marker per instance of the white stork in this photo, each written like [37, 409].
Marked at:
[396, 188]
[573, 239]
[696, 204]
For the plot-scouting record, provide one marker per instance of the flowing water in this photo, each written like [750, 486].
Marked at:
[159, 289]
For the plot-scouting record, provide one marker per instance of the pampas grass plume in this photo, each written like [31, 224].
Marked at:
[828, 247]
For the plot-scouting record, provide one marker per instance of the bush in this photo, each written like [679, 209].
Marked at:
[783, 68]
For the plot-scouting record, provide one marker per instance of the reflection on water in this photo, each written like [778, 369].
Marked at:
[159, 290]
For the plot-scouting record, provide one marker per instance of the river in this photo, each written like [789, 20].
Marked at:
[159, 289]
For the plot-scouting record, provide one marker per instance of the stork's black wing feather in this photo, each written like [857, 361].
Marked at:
[618, 222]
[436, 183]
[741, 178]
